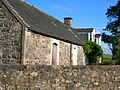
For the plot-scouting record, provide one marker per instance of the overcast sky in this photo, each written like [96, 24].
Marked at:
[85, 13]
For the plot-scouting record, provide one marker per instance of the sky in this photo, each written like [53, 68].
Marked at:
[85, 13]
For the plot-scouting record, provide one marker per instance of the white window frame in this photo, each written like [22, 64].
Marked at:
[74, 55]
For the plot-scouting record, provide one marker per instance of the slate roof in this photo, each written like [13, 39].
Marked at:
[83, 32]
[83, 29]
[43, 23]
[85, 36]
[82, 37]
[97, 35]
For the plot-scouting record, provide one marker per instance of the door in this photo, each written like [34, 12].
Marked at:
[54, 54]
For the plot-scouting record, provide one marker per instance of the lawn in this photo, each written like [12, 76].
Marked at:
[107, 59]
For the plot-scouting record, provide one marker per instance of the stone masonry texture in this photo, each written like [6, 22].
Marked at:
[38, 50]
[10, 37]
[64, 53]
[81, 56]
[19, 77]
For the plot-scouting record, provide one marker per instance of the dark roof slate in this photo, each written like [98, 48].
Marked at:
[43, 23]
[85, 36]
[97, 35]
[83, 29]
[83, 39]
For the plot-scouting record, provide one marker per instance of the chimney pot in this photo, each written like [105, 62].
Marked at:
[68, 21]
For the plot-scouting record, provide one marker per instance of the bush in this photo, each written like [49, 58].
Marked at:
[92, 50]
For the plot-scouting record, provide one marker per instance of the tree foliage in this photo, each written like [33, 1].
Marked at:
[113, 26]
[92, 50]
[118, 53]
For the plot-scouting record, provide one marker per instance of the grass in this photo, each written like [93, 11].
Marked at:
[107, 59]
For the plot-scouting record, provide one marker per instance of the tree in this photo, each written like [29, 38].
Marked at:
[118, 53]
[113, 26]
[92, 50]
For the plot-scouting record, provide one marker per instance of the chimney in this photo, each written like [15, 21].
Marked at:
[68, 21]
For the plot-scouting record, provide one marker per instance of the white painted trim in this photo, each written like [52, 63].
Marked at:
[89, 36]
[74, 54]
[58, 45]
[25, 38]
[93, 35]
[100, 40]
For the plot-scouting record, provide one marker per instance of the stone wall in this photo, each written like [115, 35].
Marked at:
[10, 37]
[38, 50]
[81, 56]
[18, 77]
[65, 53]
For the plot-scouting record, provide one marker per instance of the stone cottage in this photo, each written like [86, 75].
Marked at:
[30, 36]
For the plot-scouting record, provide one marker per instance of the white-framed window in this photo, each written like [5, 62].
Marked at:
[74, 54]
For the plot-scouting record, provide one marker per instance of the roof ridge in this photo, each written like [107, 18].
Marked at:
[84, 28]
